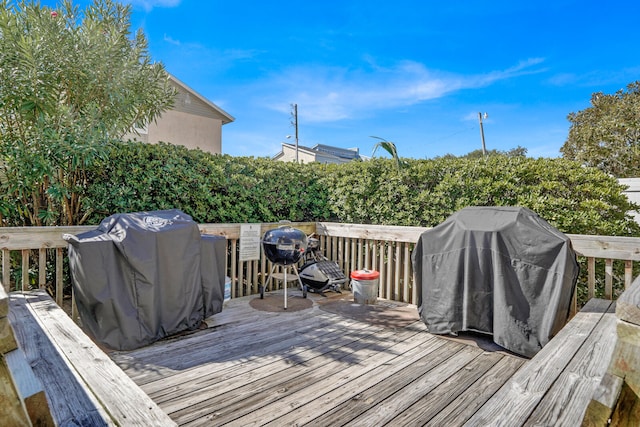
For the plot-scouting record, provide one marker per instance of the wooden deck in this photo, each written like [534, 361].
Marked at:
[316, 368]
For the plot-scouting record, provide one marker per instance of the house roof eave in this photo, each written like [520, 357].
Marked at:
[227, 118]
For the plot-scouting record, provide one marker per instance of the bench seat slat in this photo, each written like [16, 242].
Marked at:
[83, 385]
[68, 400]
[517, 399]
[567, 400]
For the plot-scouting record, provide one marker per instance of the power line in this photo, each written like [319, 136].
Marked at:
[454, 134]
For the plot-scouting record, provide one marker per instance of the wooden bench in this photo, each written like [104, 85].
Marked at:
[588, 375]
[24, 401]
[617, 399]
[556, 385]
[83, 386]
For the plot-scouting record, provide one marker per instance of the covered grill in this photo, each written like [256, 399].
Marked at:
[498, 270]
[142, 276]
[284, 246]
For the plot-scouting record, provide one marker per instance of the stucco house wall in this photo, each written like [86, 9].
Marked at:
[289, 155]
[190, 130]
[632, 193]
[194, 122]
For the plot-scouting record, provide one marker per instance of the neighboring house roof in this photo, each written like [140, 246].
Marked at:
[319, 153]
[343, 153]
[226, 117]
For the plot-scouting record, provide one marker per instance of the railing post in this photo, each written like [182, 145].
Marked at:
[59, 276]
[390, 285]
[6, 269]
[232, 273]
[608, 278]
[42, 268]
[238, 270]
[383, 267]
[25, 270]
[406, 261]
[397, 271]
[591, 279]
[347, 257]
[628, 273]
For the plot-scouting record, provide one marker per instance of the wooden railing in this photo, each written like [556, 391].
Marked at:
[378, 247]
[49, 248]
[388, 250]
[247, 276]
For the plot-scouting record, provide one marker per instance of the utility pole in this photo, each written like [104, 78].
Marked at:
[484, 148]
[294, 122]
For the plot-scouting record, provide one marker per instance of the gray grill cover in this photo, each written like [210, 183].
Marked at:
[140, 277]
[498, 270]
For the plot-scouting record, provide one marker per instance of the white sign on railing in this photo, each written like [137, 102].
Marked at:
[249, 242]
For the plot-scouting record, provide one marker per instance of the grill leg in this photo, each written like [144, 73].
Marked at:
[267, 283]
[285, 269]
[302, 286]
[285, 287]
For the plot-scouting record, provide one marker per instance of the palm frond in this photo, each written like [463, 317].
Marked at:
[390, 148]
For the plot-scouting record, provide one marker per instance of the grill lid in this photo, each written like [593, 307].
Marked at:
[284, 245]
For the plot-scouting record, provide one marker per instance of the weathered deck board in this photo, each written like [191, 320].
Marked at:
[334, 403]
[257, 367]
[67, 401]
[263, 399]
[431, 403]
[347, 377]
[566, 401]
[458, 411]
[514, 403]
[263, 383]
[252, 367]
[405, 390]
[236, 344]
[316, 368]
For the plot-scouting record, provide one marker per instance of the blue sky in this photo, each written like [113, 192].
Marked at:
[413, 72]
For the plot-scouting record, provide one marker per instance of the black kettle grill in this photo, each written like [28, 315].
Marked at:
[284, 246]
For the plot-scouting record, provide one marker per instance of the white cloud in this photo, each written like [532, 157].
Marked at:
[172, 41]
[148, 5]
[331, 94]
[196, 55]
[595, 78]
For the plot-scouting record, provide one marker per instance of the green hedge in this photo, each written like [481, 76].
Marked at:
[210, 188]
[425, 192]
[223, 189]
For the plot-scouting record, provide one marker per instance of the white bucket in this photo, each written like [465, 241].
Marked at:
[364, 285]
[227, 290]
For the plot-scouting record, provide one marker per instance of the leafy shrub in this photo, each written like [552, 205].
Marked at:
[134, 176]
[69, 82]
[572, 198]
[210, 188]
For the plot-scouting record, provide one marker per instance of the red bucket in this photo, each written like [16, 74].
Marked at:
[364, 285]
